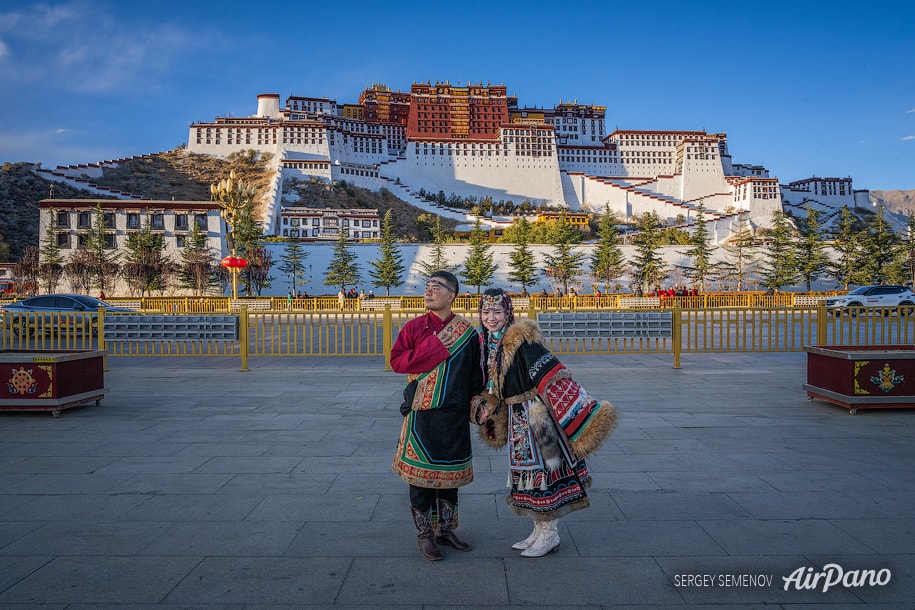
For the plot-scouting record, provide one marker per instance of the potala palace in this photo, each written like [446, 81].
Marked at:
[476, 140]
[473, 140]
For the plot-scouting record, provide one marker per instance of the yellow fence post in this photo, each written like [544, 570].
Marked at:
[387, 336]
[677, 334]
[243, 335]
[821, 323]
[102, 346]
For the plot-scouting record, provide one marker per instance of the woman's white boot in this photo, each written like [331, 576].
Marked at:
[527, 542]
[546, 542]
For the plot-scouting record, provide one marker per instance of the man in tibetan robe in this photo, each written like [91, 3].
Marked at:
[440, 354]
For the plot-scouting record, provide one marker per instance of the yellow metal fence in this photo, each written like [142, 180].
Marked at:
[371, 333]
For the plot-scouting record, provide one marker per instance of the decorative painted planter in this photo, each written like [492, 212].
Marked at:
[862, 377]
[50, 380]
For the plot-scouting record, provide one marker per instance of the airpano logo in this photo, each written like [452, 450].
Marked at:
[832, 575]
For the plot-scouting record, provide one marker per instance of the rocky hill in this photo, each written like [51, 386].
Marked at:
[902, 202]
[179, 175]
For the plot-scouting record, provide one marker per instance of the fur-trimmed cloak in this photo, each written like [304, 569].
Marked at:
[563, 415]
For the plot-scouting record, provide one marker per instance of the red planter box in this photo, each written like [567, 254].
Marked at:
[862, 377]
[50, 380]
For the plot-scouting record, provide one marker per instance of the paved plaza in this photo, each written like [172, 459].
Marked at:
[197, 485]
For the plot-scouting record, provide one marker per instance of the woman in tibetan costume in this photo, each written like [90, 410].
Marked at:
[549, 422]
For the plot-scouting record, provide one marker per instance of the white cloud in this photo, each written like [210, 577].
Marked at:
[76, 47]
[910, 111]
[907, 138]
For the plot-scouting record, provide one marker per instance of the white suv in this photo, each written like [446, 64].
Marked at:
[875, 296]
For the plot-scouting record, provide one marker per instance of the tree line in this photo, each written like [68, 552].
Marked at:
[793, 251]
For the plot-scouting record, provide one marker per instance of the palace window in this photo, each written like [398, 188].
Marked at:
[63, 220]
[158, 221]
[181, 222]
[133, 220]
[63, 240]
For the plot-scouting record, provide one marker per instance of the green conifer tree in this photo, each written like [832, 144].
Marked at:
[51, 265]
[702, 268]
[343, 269]
[880, 258]
[779, 267]
[563, 264]
[810, 255]
[479, 267]
[103, 257]
[146, 266]
[292, 263]
[741, 253]
[648, 268]
[197, 270]
[607, 261]
[438, 262]
[846, 246]
[522, 266]
[388, 269]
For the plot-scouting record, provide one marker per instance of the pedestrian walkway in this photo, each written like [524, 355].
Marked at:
[195, 484]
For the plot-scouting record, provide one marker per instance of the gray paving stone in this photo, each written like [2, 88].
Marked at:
[604, 581]
[100, 580]
[310, 507]
[781, 537]
[263, 581]
[272, 489]
[223, 539]
[413, 580]
[85, 507]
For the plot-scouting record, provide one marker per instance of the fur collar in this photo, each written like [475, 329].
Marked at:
[522, 331]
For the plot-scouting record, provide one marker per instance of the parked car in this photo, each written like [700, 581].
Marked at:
[874, 296]
[49, 312]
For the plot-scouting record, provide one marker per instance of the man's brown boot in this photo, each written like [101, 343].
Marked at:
[426, 538]
[447, 521]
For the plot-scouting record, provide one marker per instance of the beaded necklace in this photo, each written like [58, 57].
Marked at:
[495, 341]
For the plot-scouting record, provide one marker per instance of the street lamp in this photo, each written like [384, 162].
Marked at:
[234, 264]
[234, 197]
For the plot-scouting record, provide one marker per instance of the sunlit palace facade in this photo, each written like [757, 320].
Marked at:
[475, 140]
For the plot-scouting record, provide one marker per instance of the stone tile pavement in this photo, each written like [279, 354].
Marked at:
[196, 485]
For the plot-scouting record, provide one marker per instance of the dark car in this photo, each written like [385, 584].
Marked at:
[51, 312]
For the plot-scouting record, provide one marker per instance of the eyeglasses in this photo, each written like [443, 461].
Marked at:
[437, 286]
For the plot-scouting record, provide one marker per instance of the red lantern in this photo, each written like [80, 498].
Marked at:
[234, 262]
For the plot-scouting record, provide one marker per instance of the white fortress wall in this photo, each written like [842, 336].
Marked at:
[702, 177]
[499, 177]
[573, 188]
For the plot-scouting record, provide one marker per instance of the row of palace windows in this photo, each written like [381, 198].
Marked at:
[327, 231]
[316, 222]
[134, 220]
[65, 241]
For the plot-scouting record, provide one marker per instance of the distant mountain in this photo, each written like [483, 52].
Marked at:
[901, 202]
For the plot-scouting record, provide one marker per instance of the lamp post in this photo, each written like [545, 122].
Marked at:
[234, 264]
[234, 197]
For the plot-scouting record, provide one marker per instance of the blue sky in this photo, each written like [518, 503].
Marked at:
[803, 88]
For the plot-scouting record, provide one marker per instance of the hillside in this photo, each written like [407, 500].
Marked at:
[179, 175]
[20, 191]
[895, 201]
